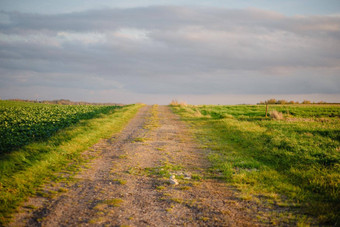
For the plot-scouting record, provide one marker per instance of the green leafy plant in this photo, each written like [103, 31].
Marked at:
[22, 123]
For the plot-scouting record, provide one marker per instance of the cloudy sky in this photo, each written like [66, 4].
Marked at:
[201, 52]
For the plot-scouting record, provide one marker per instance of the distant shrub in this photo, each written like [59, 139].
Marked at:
[271, 101]
[276, 115]
[281, 101]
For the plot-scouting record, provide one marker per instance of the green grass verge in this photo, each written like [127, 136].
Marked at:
[24, 170]
[292, 163]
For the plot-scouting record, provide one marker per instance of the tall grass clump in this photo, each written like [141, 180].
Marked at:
[276, 115]
[174, 102]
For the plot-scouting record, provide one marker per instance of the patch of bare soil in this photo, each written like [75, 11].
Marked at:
[127, 184]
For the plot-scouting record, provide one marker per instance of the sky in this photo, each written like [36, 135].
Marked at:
[200, 52]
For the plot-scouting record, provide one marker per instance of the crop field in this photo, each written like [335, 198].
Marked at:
[40, 140]
[22, 123]
[293, 162]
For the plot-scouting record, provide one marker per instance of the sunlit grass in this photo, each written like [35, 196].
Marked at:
[294, 161]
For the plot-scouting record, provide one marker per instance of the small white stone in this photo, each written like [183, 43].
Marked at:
[173, 180]
[187, 176]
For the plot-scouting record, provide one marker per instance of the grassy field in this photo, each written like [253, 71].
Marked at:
[293, 163]
[55, 144]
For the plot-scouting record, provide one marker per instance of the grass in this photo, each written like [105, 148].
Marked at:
[160, 187]
[164, 171]
[140, 139]
[115, 202]
[185, 188]
[293, 162]
[24, 170]
[153, 120]
[120, 181]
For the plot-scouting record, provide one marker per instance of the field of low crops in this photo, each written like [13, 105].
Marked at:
[40, 140]
[294, 162]
[22, 122]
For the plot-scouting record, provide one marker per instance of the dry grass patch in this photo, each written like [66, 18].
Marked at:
[174, 102]
[276, 115]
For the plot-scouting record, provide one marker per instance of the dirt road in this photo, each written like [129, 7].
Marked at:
[127, 184]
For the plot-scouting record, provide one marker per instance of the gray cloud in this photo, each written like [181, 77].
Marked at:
[172, 50]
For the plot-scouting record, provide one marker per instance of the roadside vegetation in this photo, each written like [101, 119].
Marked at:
[288, 160]
[58, 136]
